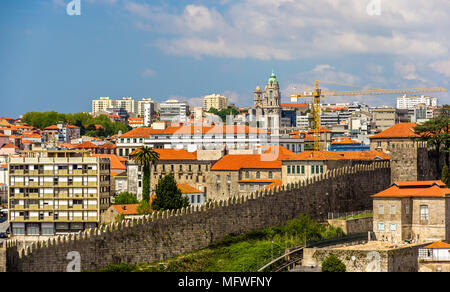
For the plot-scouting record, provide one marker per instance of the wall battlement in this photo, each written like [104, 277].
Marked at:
[162, 235]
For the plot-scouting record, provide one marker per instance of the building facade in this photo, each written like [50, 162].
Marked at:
[216, 101]
[53, 192]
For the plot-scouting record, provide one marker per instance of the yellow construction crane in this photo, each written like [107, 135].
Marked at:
[318, 93]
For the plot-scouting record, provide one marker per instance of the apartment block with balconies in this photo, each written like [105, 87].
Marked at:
[54, 192]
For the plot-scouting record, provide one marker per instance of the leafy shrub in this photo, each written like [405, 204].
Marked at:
[333, 264]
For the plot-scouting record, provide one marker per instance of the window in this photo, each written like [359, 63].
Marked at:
[298, 169]
[393, 209]
[393, 227]
[241, 186]
[312, 169]
[381, 227]
[423, 212]
[258, 174]
[289, 169]
[321, 169]
[218, 179]
[247, 174]
[317, 169]
[380, 209]
[303, 169]
[270, 174]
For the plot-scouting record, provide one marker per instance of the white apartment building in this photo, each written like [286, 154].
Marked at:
[216, 101]
[174, 110]
[146, 103]
[101, 104]
[409, 102]
[127, 103]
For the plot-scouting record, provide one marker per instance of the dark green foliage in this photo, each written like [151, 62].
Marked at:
[120, 268]
[85, 121]
[125, 198]
[144, 208]
[333, 264]
[224, 112]
[445, 176]
[436, 132]
[145, 156]
[168, 196]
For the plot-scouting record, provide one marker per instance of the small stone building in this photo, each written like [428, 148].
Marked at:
[110, 215]
[417, 211]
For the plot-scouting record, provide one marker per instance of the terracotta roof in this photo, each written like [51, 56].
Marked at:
[116, 161]
[275, 183]
[344, 141]
[322, 129]
[52, 127]
[68, 145]
[173, 154]
[107, 146]
[294, 105]
[187, 189]
[86, 145]
[135, 119]
[339, 155]
[72, 127]
[250, 161]
[129, 209]
[401, 130]
[142, 132]
[424, 183]
[9, 146]
[438, 245]
[113, 173]
[415, 189]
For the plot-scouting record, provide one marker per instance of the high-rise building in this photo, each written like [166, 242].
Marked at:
[216, 101]
[409, 102]
[174, 110]
[128, 104]
[57, 191]
[142, 106]
[101, 104]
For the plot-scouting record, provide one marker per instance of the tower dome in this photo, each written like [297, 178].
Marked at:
[273, 78]
[258, 89]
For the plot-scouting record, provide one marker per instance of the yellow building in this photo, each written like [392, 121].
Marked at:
[216, 101]
[57, 191]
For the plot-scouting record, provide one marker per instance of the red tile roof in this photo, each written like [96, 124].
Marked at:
[432, 189]
[143, 132]
[9, 146]
[344, 141]
[339, 155]
[86, 145]
[187, 189]
[401, 130]
[250, 161]
[116, 161]
[438, 245]
[129, 209]
[107, 146]
[294, 105]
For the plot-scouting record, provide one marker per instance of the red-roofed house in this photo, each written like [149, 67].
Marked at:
[402, 132]
[435, 257]
[416, 211]
[4, 139]
[9, 149]
[195, 196]
[246, 173]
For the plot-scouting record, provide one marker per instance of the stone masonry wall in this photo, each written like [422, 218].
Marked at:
[353, 226]
[167, 234]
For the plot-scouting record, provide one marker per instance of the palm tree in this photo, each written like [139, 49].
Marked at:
[145, 156]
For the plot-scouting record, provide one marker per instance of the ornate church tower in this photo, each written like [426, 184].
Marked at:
[271, 104]
[257, 101]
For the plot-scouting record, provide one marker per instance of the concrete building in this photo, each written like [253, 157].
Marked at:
[387, 117]
[101, 104]
[173, 111]
[216, 101]
[147, 106]
[409, 102]
[53, 192]
[416, 211]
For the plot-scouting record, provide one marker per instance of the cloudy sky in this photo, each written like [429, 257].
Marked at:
[187, 49]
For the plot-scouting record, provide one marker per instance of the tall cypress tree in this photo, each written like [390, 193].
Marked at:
[168, 196]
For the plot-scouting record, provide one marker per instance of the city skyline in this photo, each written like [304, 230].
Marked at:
[189, 49]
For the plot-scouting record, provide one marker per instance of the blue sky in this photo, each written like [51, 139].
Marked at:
[187, 49]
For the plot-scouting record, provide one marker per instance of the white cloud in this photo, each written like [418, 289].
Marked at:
[408, 71]
[148, 73]
[442, 67]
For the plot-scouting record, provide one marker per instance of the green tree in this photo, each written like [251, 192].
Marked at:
[168, 196]
[333, 264]
[436, 133]
[446, 176]
[144, 208]
[125, 198]
[145, 156]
